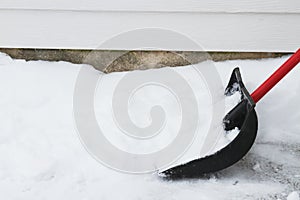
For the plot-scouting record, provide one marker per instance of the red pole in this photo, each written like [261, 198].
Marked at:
[276, 77]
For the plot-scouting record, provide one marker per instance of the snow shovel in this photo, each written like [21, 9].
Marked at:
[243, 117]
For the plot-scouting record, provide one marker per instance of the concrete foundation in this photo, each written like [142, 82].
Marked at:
[113, 61]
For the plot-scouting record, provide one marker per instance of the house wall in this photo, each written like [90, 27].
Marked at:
[215, 25]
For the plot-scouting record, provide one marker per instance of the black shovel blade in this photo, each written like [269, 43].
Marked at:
[242, 116]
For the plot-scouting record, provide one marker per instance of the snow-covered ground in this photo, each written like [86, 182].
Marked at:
[42, 157]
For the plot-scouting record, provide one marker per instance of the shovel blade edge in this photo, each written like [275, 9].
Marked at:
[244, 117]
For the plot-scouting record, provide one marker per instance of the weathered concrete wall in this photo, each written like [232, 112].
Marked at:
[112, 61]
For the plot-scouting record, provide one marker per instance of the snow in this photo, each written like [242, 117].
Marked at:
[42, 156]
[256, 167]
[293, 196]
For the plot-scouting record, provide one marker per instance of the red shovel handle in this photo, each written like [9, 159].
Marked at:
[276, 77]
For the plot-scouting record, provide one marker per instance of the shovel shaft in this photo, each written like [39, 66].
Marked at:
[276, 77]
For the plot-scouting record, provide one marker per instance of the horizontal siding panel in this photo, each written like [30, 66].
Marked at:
[88, 30]
[260, 6]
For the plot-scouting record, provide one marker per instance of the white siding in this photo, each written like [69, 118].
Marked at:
[267, 6]
[217, 25]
